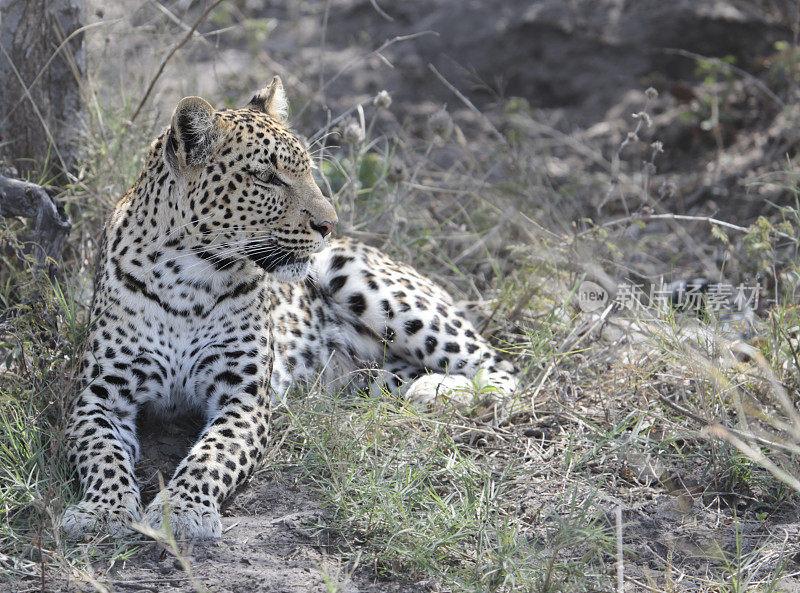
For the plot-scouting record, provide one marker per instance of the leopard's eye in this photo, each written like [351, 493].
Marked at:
[268, 179]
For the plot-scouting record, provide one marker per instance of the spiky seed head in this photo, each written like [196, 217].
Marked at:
[382, 100]
[441, 124]
[396, 173]
[352, 133]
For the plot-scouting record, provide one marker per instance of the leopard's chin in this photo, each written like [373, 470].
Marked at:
[284, 266]
[292, 272]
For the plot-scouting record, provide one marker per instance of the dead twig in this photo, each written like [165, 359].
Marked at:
[51, 224]
[668, 216]
[722, 64]
[380, 11]
[171, 53]
[470, 105]
[358, 59]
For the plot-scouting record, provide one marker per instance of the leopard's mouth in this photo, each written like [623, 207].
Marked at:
[275, 260]
[284, 265]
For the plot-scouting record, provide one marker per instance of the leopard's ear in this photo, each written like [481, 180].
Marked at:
[272, 100]
[193, 134]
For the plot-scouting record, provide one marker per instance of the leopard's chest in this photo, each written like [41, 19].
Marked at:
[186, 366]
[180, 347]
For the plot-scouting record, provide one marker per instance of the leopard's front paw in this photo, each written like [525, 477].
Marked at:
[435, 387]
[186, 518]
[93, 517]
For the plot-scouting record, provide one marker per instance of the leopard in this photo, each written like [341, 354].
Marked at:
[219, 288]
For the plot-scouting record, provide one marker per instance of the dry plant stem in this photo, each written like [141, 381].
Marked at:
[668, 216]
[777, 388]
[648, 169]
[171, 53]
[620, 557]
[323, 145]
[645, 587]
[93, 581]
[358, 59]
[717, 133]
[521, 304]
[749, 436]
[793, 349]
[481, 242]
[744, 74]
[570, 341]
[165, 538]
[325, 16]
[711, 269]
[572, 140]
[615, 162]
[468, 103]
[36, 110]
[380, 11]
[164, 581]
[753, 454]
[324, 130]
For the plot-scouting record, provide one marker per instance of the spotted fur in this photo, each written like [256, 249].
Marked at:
[215, 293]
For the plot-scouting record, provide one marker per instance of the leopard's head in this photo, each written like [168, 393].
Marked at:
[248, 189]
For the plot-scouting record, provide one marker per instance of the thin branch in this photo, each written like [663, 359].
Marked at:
[171, 16]
[669, 216]
[51, 225]
[467, 102]
[380, 10]
[36, 110]
[737, 433]
[358, 59]
[171, 53]
[743, 73]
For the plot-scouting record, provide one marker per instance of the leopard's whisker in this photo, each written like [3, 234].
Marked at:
[225, 248]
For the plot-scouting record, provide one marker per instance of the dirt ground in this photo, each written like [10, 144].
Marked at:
[274, 537]
[271, 541]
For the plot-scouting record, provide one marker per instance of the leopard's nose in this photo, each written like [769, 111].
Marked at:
[324, 227]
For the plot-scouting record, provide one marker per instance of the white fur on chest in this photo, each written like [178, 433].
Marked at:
[180, 330]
